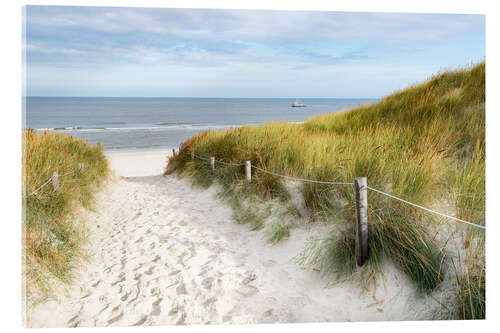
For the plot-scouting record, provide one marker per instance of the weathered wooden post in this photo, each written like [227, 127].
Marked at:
[173, 152]
[192, 156]
[248, 171]
[361, 191]
[55, 181]
[212, 163]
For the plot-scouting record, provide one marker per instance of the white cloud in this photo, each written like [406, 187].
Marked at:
[259, 25]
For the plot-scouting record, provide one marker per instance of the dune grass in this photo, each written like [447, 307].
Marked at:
[425, 143]
[52, 236]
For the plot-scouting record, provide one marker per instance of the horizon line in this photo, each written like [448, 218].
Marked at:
[55, 96]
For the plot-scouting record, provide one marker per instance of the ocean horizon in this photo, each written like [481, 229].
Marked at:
[155, 123]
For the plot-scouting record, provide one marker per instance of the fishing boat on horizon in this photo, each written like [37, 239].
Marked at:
[297, 104]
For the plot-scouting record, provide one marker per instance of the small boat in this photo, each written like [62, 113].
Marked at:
[297, 104]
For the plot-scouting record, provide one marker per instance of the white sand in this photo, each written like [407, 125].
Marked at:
[139, 164]
[168, 253]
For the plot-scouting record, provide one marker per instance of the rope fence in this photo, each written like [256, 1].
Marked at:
[55, 180]
[427, 209]
[230, 164]
[41, 186]
[301, 179]
[360, 187]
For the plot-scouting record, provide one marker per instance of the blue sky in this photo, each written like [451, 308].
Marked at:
[102, 51]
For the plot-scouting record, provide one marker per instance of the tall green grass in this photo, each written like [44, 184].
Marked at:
[424, 143]
[52, 236]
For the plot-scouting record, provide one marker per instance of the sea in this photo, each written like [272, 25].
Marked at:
[131, 124]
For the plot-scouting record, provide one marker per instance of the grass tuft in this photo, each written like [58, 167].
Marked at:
[277, 231]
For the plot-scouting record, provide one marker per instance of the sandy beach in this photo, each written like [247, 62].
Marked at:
[166, 253]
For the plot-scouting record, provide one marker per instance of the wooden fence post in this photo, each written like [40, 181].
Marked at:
[55, 181]
[361, 191]
[212, 163]
[192, 156]
[248, 171]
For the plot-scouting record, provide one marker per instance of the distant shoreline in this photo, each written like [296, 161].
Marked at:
[158, 126]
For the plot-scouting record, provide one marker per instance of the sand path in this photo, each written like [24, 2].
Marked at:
[168, 253]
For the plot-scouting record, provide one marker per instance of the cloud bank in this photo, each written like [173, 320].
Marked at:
[99, 38]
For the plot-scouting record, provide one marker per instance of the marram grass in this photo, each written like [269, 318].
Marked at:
[52, 236]
[425, 143]
[277, 230]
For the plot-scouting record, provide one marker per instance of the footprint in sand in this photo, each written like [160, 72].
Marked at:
[141, 321]
[96, 284]
[150, 270]
[123, 262]
[155, 291]
[108, 269]
[86, 295]
[181, 289]
[136, 295]
[125, 297]
[249, 278]
[247, 290]
[121, 278]
[115, 319]
[156, 307]
[104, 308]
[207, 283]
[138, 267]
[182, 319]
[72, 322]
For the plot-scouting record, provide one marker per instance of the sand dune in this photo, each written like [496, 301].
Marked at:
[167, 253]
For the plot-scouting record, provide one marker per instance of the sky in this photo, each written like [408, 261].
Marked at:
[162, 52]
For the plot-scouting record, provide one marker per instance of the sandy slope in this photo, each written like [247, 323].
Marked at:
[167, 253]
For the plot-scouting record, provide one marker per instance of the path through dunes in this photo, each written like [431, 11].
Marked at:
[168, 253]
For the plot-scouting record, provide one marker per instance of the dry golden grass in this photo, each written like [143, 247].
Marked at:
[52, 238]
